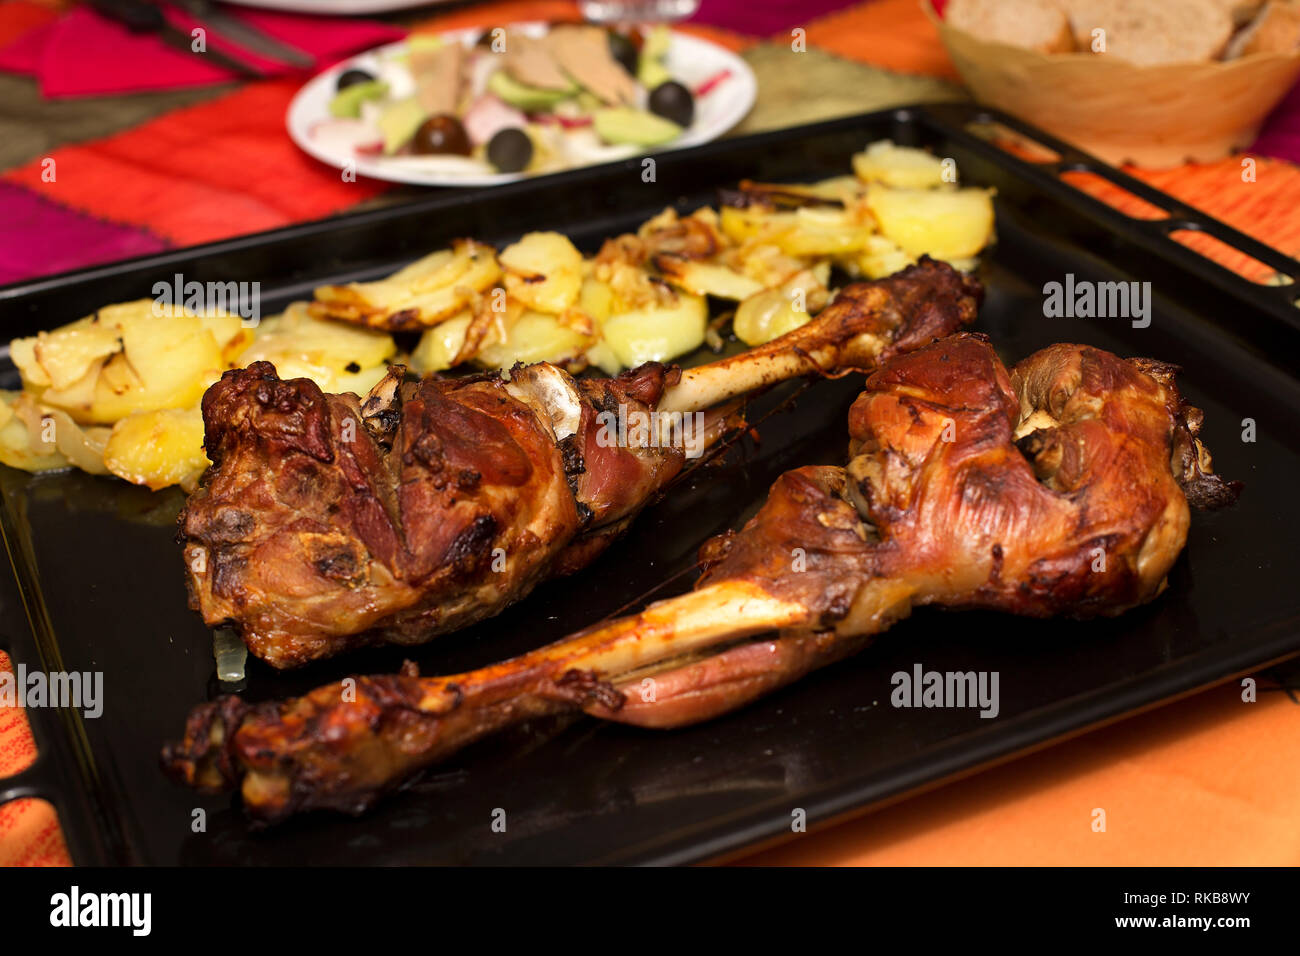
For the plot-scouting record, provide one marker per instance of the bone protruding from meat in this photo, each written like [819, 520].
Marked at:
[864, 325]
[554, 394]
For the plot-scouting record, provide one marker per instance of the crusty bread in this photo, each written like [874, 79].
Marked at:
[1153, 31]
[1034, 24]
[1276, 30]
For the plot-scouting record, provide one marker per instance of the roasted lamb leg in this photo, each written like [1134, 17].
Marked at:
[1061, 488]
[327, 522]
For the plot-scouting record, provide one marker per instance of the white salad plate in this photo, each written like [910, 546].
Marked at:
[689, 59]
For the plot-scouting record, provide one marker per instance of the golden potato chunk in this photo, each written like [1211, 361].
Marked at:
[946, 224]
[814, 230]
[901, 166]
[534, 337]
[707, 278]
[543, 270]
[881, 257]
[318, 348]
[439, 346]
[657, 334]
[596, 298]
[77, 399]
[420, 295]
[67, 354]
[158, 448]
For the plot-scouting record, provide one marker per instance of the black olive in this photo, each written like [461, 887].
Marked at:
[673, 102]
[624, 51]
[439, 135]
[352, 78]
[510, 150]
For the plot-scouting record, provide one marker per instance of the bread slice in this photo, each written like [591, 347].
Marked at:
[1276, 30]
[1034, 24]
[1150, 32]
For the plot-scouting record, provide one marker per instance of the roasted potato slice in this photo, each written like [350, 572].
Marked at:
[535, 337]
[374, 302]
[881, 257]
[899, 166]
[118, 377]
[232, 335]
[72, 347]
[631, 286]
[359, 383]
[109, 370]
[543, 270]
[165, 363]
[297, 336]
[418, 296]
[814, 230]
[77, 399]
[766, 264]
[22, 352]
[755, 223]
[657, 334]
[232, 332]
[440, 345]
[846, 189]
[596, 298]
[518, 334]
[945, 223]
[602, 357]
[67, 354]
[824, 231]
[158, 448]
[706, 278]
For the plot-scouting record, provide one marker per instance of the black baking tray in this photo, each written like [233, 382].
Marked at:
[97, 582]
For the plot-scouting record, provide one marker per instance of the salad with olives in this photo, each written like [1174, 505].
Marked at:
[512, 100]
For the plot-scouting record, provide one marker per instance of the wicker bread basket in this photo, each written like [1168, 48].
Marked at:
[1155, 116]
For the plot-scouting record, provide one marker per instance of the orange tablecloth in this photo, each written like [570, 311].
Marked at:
[1209, 780]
